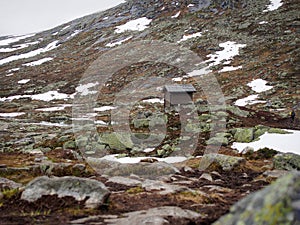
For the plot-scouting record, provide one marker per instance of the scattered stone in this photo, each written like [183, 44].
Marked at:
[275, 204]
[79, 188]
[244, 135]
[117, 141]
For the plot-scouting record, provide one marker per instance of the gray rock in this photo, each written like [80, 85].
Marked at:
[78, 188]
[225, 162]
[154, 216]
[125, 181]
[275, 204]
[143, 170]
[287, 161]
[8, 184]
[162, 187]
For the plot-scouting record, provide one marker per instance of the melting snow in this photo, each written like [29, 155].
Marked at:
[280, 142]
[48, 96]
[186, 37]
[38, 62]
[84, 89]
[14, 114]
[133, 160]
[231, 49]
[176, 15]
[230, 68]
[154, 100]
[134, 25]
[263, 22]
[14, 39]
[24, 81]
[53, 109]
[118, 42]
[274, 4]
[49, 47]
[259, 85]
[104, 108]
[250, 100]
[13, 70]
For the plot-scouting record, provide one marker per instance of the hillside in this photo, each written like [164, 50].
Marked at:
[85, 97]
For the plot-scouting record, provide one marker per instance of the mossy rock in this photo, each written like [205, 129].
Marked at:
[244, 135]
[274, 205]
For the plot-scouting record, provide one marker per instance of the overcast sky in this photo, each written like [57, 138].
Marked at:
[29, 16]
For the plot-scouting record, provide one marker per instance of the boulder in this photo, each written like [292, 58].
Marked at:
[214, 161]
[275, 204]
[286, 161]
[80, 189]
[219, 139]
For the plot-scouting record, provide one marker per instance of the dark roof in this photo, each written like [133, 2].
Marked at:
[179, 88]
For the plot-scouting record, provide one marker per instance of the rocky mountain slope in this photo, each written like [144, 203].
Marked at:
[81, 99]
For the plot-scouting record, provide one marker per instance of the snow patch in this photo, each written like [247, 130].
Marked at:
[14, 114]
[279, 142]
[154, 100]
[24, 81]
[49, 47]
[186, 37]
[84, 88]
[259, 85]
[113, 44]
[229, 68]
[176, 15]
[134, 25]
[104, 108]
[134, 160]
[14, 39]
[250, 100]
[48, 96]
[38, 62]
[274, 4]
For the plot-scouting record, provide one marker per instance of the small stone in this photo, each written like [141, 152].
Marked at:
[206, 176]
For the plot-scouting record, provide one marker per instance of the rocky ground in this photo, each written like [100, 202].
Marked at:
[42, 135]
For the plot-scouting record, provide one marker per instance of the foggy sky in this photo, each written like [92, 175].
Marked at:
[30, 16]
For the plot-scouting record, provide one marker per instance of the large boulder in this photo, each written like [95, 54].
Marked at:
[286, 161]
[278, 203]
[81, 189]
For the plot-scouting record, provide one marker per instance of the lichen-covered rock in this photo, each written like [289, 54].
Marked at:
[225, 162]
[275, 204]
[219, 139]
[117, 141]
[244, 135]
[81, 189]
[287, 161]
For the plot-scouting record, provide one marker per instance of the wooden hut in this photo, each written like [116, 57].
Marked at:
[178, 94]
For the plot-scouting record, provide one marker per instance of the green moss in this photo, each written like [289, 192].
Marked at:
[135, 190]
[9, 193]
